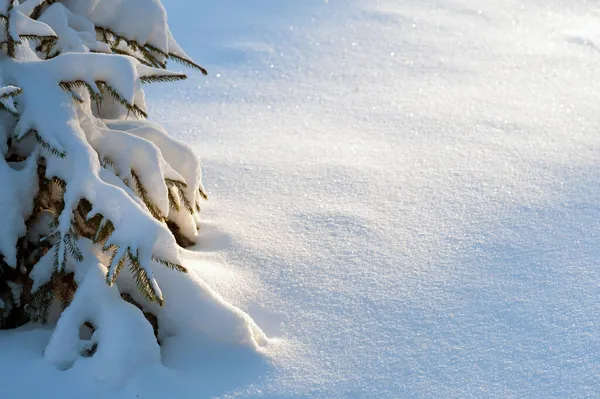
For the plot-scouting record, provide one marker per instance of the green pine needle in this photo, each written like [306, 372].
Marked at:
[136, 110]
[170, 265]
[162, 78]
[142, 281]
[173, 202]
[150, 204]
[188, 63]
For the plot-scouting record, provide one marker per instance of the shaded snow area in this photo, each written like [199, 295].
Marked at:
[404, 196]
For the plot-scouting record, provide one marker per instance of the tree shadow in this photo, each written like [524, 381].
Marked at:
[210, 239]
[211, 367]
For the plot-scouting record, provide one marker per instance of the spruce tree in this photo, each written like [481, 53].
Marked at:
[91, 191]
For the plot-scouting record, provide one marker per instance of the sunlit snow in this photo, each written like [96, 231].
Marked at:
[404, 196]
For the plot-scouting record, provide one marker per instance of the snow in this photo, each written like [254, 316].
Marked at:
[403, 196]
[124, 338]
[20, 22]
[42, 271]
[148, 27]
[130, 153]
[74, 32]
[84, 181]
[183, 166]
[205, 311]
[19, 187]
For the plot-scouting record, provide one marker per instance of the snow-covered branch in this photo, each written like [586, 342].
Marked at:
[97, 198]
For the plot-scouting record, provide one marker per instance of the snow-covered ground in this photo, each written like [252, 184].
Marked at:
[404, 193]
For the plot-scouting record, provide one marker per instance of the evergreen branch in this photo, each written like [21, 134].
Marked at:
[80, 226]
[180, 186]
[61, 253]
[71, 244]
[10, 43]
[131, 107]
[106, 161]
[150, 47]
[181, 240]
[162, 78]
[128, 298]
[54, 224]
[152, 207]
[42, 143]
[37, 11]
[66, 297]
[59, 182]
[87, 224]
[56, 260]
[30, 36]
[188, 63]
[85, 206]
[7, 101]
[170, 265]
[64, 288]
[146, 48]
[40, 200]
[117, 261]
[77, 98]
[48, 147]
[108, 247]
[151, 58]
[46, 47]
[40, 303]
[142, 280]
[50, 238]
[108, 164]
[146, 53]
[43, 198]
[203, 193]
[176, 183]
[105, 32]
[104, 36]
[13, 91]
[173, 202]
[95, 92]
[61, 286]
[3, 107]
[186, 202]
[123, 52]
[105, 229]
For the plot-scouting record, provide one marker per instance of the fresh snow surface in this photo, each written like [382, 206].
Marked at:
[404, 195]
